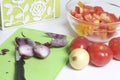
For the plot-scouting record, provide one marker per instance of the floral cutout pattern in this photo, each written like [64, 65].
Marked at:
[19, 12]
[37, 9]
[18, 1]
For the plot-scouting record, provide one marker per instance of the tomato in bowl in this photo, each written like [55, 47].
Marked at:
[97, 21]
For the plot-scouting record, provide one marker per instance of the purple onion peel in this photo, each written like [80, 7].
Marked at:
[54, 35]
[24, 41]
[58, 42]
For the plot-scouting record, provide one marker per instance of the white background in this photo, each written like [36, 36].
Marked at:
[60, 25]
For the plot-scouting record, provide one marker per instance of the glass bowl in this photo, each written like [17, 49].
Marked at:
[94, 28]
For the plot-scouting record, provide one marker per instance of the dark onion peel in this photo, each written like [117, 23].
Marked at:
[24, 41]
[56, 36]
[20, 41]
[4, 51]
[58, 40]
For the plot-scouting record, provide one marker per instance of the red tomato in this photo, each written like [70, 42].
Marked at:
[98, 10]
[87, 16]
[114, 44]
[105, 18]
[113, 17]
[79, 16]
[77, 9]
[100, 54]
[79, 42]
[73, 13]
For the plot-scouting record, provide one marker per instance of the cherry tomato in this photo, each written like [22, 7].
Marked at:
[114, 44]
[79, 42]
[100, 54]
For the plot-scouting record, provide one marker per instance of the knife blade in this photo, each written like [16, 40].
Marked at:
[19, 65]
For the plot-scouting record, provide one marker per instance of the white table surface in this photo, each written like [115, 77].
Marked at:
[60, 25]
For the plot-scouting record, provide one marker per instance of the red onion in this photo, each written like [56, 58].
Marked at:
[27, 48]
[41, 51]
[54, 35]
[58, 40]
[24, 41]
[25, 51]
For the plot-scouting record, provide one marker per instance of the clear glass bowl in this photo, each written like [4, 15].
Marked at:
[102, 32]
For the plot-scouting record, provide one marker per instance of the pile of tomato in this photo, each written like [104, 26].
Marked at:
[97, 19]
[100, 53]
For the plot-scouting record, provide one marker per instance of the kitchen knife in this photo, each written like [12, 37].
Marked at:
[19, 67]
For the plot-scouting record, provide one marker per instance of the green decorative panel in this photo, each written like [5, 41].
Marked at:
[20, 12]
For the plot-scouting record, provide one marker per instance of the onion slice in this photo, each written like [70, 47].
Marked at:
[41, 51]
[25, 51]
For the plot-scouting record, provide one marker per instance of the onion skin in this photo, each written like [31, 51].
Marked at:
[4, 51]
[54, 35]
[58, 42]
[24, 41]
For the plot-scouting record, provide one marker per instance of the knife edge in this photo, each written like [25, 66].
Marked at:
[19, 67]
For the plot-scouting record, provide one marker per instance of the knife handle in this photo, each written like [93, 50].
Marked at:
[20, 70]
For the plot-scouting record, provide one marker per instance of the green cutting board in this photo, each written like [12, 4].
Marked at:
[35, 69]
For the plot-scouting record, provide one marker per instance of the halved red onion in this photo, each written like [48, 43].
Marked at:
[25, 51]
[41, 51]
